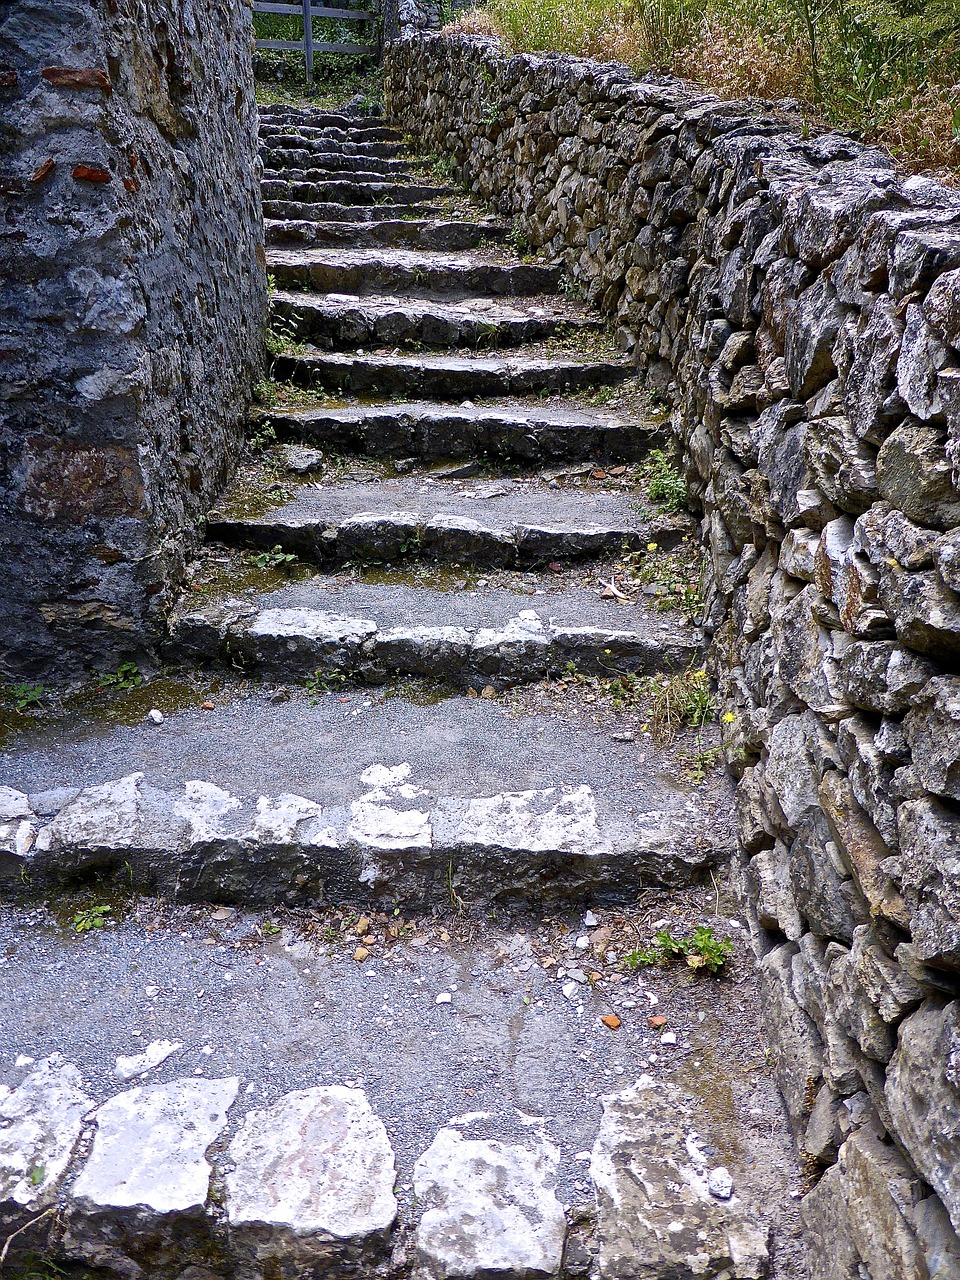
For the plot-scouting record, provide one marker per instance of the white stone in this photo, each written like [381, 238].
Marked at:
[13, 805]
[554, 820]
[105, 816]
[150, 1146]
[444, 998]
[155, 716]
[156, 1052]
[489, 1209]
[569, 989]
[313, 625]
[312, 1179]
[720, 1183]
[590, 921]
[40, 1123]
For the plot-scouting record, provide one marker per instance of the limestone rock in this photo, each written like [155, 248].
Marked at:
[310, 1182]
[933, 732]
[930, 847]
[138, 1204]
[40, 1124]
[913, 474]
[489, 1209]
[657, 1218]
[925, 1104]
[882, 675]
[795, 1043]
[825, 1215]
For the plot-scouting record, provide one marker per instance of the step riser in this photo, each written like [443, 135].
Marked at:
[402, 538]
[437, 439]
[326, 857]
[352, 326]
[327, 192]
[397, 278]
[284, 140]
[337, 127]
[459, 657]
[360, 377]
[384, 235]
[347, 214]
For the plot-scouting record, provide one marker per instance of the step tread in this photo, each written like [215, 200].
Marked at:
[446, 235]
[534, 416]
[336, 213]
[471, 309]
[598, 813]
[349, 256]
[502, 365]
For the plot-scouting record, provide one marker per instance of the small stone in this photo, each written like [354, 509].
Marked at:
[569, 989]
[610, 1020]
[360, 954]
[156, 1052]
[720, 1184]
[590, 921]
[444, 998]
[582, 943]
[155, 716]
[668, 1037]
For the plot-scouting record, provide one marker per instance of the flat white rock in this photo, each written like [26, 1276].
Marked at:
[40, 1123]
[150, 1146]
[489, 1209]
[157, 1051]
[315, 1168]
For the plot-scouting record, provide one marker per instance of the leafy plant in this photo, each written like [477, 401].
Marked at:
[322, 682]
[675, 701]
[265, 393]
[24, 697]
[701, 950]
[126, 676]
[275, 558]
[88, 918]
[665, 485]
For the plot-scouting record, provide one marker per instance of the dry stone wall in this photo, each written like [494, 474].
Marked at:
[798, 301]
[131, 314]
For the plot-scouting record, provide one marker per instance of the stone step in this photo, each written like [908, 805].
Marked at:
[339, 320]
[499, 524]
[412, 272]
[232, 1051]
[326, 140]
[319, 160]
[377, 631]
[435, 431]
[352, 797]
[447, 377]
[422, 233]
[323, 190]
[335, 213]
[320, 123]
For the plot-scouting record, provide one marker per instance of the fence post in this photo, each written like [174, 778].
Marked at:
[308, 38]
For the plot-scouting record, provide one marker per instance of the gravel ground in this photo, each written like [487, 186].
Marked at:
[281, 1000]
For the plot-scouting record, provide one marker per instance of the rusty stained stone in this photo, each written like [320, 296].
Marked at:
[67, 481]
[77, 78]
[43, 171]
[8, 80]
[91, 173]
[131, 184]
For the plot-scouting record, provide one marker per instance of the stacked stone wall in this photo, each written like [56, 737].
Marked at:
[131, 313]
[798, 301]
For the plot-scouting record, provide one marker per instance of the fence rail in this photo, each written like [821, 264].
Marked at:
[307, 10]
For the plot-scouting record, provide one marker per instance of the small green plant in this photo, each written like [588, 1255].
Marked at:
[269, 929]
[701, 950]
[275, 558]
[683, 699]
[322, 682]
[24, 697]
[126, 676]
[37, 1174]
[665, 485]
[90, 918]
[265, 393]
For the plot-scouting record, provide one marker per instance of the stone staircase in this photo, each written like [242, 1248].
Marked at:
[362, 768]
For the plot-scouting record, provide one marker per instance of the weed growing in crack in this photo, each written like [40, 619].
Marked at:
[275, 558]
[322, 682]
[701, 950]
[23, 697]
[90, 918]
[665, 485]
[126, 676]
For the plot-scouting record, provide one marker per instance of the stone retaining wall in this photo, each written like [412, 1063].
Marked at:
[799, 303]
[132, 312]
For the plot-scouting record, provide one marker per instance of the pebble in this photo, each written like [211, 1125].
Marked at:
[444, 998]
[569, 989]
[155, 716]
[590, 921]
[720, 1184]
[582, 943]
[668, 1037]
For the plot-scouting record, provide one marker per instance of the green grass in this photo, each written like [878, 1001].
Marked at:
[886, 69]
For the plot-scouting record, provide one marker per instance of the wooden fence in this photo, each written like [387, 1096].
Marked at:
[382, 18]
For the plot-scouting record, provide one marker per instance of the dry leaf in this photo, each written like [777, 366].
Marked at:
[363, 926]
[488, 691]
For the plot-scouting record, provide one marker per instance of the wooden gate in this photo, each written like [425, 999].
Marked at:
[305, 10]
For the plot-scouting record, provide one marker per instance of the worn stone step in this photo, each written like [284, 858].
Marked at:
[350, 173]
[318, 160]
[315, 123]
[479, 523]
[447, 377]
[239, 1092]
[434, 431]
[353, 798]
[335, 213]
[422, 233]
[338, 320]
[374, 631]
[327, 140]
[290, 187]
[408, 271]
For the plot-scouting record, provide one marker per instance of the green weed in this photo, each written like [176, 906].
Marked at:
[126, 676]
[89, 918]
[702, 950]
[23, 697]
[322, 682]
[275, 558]
[664, 483]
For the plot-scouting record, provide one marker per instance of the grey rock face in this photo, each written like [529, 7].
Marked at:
[138, 1204]
[40, 1125]
[657, 1216]
[489, 1209]
[310, 1183]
